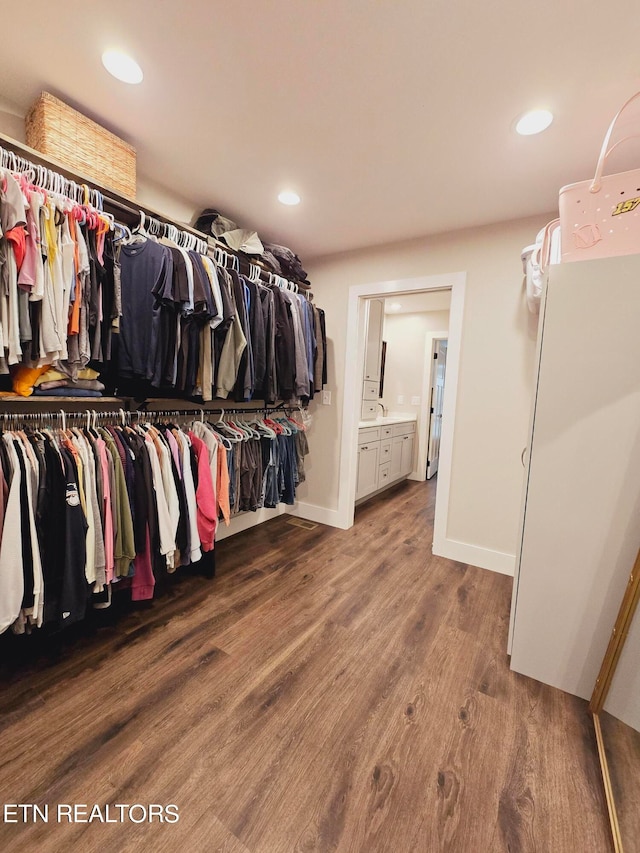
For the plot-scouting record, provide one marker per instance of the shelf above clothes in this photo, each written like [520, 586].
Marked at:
[154, 307]
[127, 209]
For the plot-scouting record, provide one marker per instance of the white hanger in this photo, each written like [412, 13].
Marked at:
[266, 429]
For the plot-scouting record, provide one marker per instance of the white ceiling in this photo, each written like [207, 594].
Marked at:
[391, 118]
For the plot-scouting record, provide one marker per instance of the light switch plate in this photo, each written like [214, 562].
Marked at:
[415, 401]
[400, 399]
[326, 398]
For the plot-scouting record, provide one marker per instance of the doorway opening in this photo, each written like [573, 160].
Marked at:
[417, 360]
[435, 403]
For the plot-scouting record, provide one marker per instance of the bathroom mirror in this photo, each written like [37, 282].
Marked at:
[615, 705]
[383, 361]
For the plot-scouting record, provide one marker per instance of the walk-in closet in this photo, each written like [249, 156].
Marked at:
[319, 418]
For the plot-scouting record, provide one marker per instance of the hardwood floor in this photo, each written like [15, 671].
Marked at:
[329, 691]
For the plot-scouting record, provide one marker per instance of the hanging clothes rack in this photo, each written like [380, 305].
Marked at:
[8, 420]
[100, 205]
[55, 182]
[18, 157]
[197, 411]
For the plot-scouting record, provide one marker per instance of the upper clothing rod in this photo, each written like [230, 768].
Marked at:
[121, 202]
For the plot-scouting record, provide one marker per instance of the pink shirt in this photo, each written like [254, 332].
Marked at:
[205, 495]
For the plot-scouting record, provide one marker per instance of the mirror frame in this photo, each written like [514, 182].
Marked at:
[603, 683]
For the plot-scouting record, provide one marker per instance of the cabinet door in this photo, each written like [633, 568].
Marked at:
[580, 533]
[373, 349]
[395, 469]
[368, 462]
[383, 476]
[371, 391]
[406, 465]
[368, 411]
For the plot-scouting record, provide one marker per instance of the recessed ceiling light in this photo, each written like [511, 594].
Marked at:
[122, 67]
[395, 306]
[534, 122]
[289, 197]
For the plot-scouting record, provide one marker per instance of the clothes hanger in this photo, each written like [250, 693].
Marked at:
[274, 425]
[122, 232]
[297, 424]
[139, 234]
[221, 426]
[237, 429]
[222, 439]
[287, 430]
[266, 430]
[251, 433]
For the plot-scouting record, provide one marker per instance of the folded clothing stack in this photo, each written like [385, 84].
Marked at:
[54, 383]
[284, 262]
[49, 381]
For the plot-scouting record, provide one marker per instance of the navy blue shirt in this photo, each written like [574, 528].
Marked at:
[146, 276]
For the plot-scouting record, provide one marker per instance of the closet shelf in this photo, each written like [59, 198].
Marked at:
[129, 206]
[86, 401]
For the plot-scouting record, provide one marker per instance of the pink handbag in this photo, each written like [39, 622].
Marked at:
[601, 218]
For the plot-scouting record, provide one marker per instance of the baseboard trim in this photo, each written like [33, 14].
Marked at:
[474, 555]
[247, 520]
[319, 514]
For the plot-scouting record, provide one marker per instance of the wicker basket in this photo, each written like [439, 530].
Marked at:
[60, 132]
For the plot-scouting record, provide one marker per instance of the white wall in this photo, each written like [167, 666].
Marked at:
[405, 335]
[495, 381]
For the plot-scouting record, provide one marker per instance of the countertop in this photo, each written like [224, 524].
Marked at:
[386, 420]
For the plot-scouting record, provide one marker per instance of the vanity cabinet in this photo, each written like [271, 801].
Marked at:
[368, 461]
[385, 455]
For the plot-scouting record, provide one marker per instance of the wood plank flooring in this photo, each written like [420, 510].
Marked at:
[329, 691]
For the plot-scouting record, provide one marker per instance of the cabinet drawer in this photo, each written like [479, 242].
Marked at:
[369, 411]
[386, 432]
[369, 434]
[371, 391]
[407, 428]
[384, 475]
[385, 451]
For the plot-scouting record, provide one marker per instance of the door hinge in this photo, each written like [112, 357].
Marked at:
[431, 409]
[435, 355]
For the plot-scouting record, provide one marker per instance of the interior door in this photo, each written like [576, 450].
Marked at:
[438, 374]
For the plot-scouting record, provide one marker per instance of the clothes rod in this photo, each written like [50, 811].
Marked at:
[124, 203]
[199, 410]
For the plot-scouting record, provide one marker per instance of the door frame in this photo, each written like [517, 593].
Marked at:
[352, 393]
